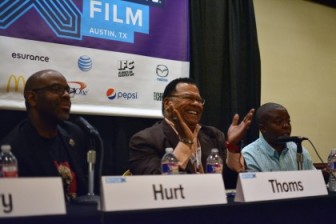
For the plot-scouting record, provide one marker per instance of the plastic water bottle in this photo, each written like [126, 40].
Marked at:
[332, 170]
[169, 163]
[8, 162]
[214, 163]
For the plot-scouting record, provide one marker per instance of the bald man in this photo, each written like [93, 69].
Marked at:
[266, 153]
[45, 144]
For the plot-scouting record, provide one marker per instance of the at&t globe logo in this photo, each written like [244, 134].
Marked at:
[85, 63]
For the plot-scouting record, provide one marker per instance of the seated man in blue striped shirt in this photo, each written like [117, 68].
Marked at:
[266, 153]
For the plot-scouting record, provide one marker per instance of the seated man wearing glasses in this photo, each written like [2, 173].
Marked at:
[45, 144]
[182, 108]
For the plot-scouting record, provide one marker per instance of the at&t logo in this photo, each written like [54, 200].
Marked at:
[85, 63]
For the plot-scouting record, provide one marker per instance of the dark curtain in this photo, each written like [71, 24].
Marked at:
[224, 62]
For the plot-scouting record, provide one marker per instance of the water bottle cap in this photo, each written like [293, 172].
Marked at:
[214, 150]
[170, 150]
[5, 148]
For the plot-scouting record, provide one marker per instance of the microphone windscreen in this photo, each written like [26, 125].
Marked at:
[91, 156]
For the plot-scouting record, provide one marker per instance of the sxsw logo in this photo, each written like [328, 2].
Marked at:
[15, 82]
[105, 19]
[64, 24]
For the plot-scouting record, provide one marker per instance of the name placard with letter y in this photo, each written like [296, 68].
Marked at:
[279, 185]
[25, 196]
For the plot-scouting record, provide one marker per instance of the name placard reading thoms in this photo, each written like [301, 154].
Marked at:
[279, 185]
[161, 191]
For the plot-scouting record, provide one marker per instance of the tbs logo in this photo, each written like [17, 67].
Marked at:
[113, 94]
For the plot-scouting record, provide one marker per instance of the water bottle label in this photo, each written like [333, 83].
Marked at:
[332, 165]
[214, 168]
[170, 168]
[9, 171]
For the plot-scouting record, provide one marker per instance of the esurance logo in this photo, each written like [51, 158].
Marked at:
[112, 94]
[15, 82]
[113, 20]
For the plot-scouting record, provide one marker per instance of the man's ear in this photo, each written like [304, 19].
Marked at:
[167, 107]
[166, 103]
[31, 98]
[261, 127]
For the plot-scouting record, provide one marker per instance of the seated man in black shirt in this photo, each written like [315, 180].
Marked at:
[45, 144]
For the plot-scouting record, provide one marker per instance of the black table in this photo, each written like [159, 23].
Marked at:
[300, 210]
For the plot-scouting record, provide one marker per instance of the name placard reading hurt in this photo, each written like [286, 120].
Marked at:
[170, 193]
[161, 191]
[279, 185]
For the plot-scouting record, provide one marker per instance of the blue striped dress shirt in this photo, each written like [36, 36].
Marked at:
[261, 157]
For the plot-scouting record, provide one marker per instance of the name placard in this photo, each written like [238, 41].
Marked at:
[279, 185]
[161, 191]
[31, 196]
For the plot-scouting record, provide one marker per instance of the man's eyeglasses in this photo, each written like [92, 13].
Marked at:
[58, 89]
[190, 98]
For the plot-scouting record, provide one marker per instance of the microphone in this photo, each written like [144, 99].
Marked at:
[296, 139]
[91, 159]
[87, 126]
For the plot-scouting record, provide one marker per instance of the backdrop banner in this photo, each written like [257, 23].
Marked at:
[117, 54]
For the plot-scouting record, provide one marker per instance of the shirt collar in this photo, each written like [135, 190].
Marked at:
[270, 150]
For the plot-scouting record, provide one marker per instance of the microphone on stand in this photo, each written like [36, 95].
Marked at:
[297, 140]
[284, 139]
[91, 160]
[87, 126]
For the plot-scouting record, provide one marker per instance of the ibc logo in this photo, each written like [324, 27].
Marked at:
[17, 81]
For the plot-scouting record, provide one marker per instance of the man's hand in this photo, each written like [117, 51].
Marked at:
[180, 125]
[237, 131]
